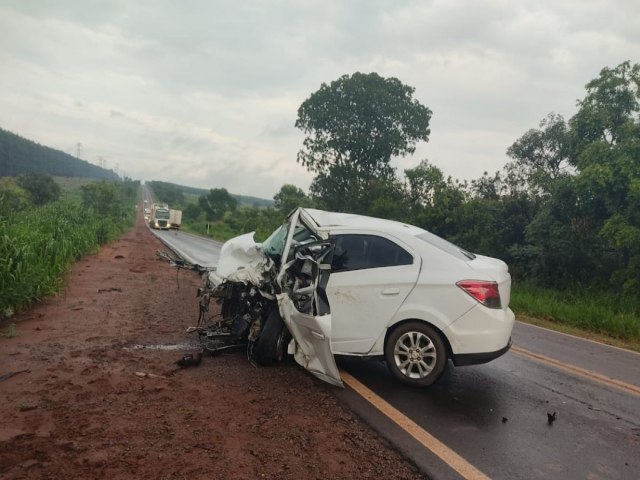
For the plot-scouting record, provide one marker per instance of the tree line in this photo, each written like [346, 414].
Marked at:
[19, 155]
[564, 212]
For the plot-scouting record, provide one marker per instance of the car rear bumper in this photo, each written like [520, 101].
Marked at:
[480, 333]
[478, 358]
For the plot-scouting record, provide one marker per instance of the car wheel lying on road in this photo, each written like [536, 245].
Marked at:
[271, 346]
[415, 354]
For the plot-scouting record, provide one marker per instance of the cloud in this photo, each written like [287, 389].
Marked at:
[206, 93]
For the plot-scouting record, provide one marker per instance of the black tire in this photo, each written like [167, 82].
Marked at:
[415, 354]
[271, 346]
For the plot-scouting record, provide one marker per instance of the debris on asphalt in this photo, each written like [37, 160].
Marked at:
[190, 360]
[551, 417]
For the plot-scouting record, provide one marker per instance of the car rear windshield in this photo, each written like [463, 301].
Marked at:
[446, 246]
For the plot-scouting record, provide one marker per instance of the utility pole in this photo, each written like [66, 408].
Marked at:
[79, 150]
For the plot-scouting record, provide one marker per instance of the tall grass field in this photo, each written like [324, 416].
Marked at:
[39, 245]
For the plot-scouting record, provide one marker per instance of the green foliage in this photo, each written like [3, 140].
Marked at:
[602, 312]
[263, 221]
[191, 212]
[196, 192]
[609, 112]
[41, 188]
[168, 193]
[13, 199]
[564, 213]
[39, 245]
[354, 126]
[432, 201]
[290, 197]
[541, 155]
[100, 197]
[216, 203]
[583, 177]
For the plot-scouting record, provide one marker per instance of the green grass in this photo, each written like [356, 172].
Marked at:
[599, 312]
[217, 230]
[39, 245]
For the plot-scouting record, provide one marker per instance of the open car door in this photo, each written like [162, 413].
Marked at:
[311, 333]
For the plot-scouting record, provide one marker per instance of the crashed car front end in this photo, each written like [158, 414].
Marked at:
[272, 298]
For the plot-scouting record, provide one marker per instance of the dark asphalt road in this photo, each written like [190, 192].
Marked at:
[596, 434]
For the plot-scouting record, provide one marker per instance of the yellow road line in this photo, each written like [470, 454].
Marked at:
[611, 382]
[451, 458]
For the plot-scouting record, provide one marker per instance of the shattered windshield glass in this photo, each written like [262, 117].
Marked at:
[273, 246]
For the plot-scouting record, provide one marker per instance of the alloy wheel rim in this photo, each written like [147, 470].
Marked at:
[415, 355]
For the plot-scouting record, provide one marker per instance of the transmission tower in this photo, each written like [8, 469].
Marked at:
[79, 150]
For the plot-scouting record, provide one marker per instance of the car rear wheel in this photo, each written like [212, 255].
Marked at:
[415, 354]
[271, 346]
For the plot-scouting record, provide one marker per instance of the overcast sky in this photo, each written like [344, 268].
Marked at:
[205, 93]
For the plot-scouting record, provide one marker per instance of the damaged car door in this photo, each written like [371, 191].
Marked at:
[371, 276]
[303, 306]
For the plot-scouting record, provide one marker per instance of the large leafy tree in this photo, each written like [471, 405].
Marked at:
[586, 175]
[541, 155]
[354, 126]
[432, 200]
[215, 203]
[606, 149]
[290, 197]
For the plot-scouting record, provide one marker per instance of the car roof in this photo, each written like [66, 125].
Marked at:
[329, 220]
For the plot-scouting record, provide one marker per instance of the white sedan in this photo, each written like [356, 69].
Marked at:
[326, 284]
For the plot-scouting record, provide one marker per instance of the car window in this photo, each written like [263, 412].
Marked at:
[357, 252]
[446, 246]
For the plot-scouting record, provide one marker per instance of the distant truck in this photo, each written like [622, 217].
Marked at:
[175, 218]
[159, 216]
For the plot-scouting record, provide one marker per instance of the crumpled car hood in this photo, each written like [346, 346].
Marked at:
[241, 260]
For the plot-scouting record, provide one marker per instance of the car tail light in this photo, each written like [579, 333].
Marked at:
[486, 293]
